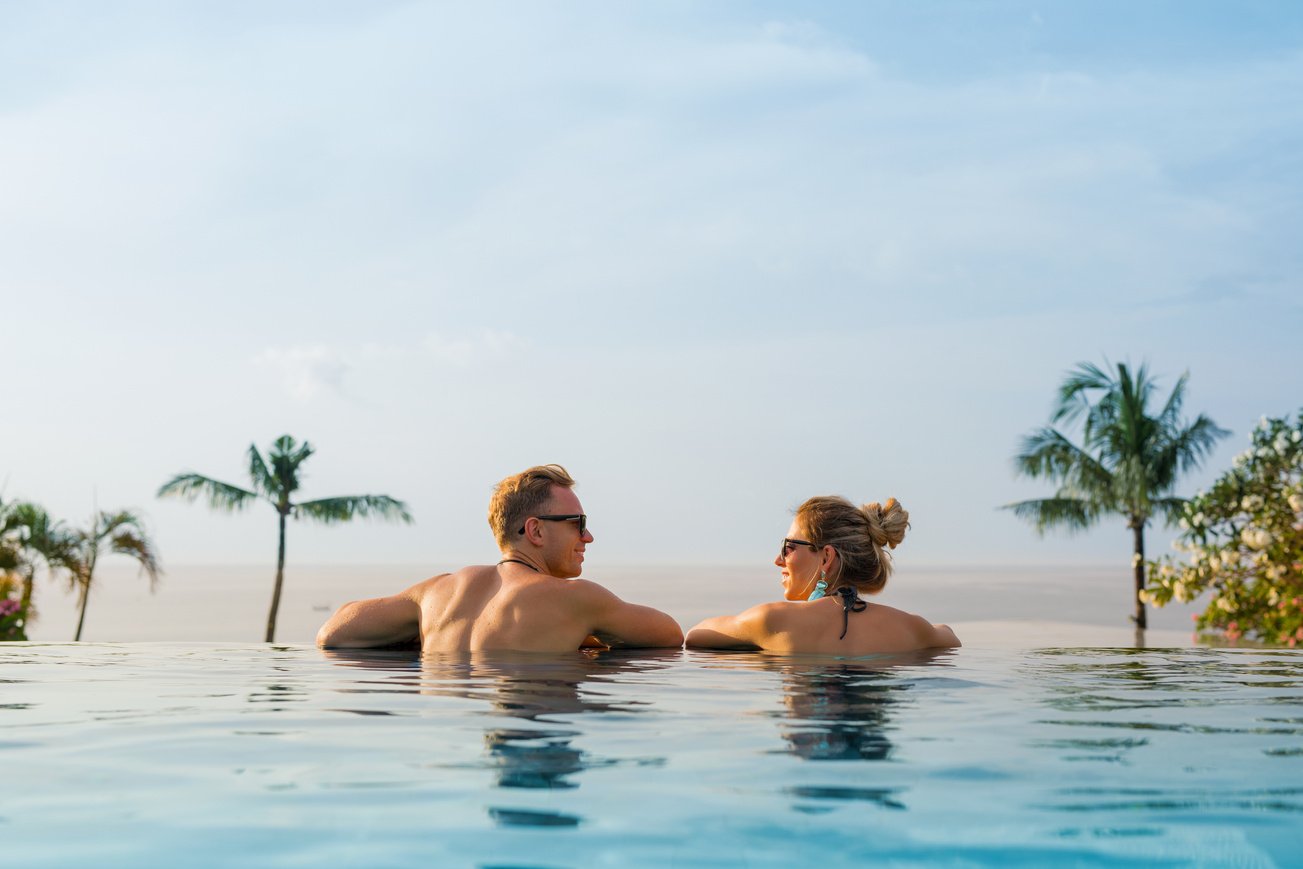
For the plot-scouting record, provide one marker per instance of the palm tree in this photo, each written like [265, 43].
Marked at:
[276, 484]
[124, 534]
[33, 539]
[1127, 463]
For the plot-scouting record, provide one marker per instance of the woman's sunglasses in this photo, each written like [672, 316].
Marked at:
[790, 543]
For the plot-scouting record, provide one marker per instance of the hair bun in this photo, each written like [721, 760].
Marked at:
[887, 522]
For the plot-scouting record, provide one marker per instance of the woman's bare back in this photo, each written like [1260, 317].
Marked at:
[815, 627]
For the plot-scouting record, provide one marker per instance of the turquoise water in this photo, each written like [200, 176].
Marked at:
[141, 755]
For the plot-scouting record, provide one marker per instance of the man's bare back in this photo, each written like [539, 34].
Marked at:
[529, 601]
[499, 607]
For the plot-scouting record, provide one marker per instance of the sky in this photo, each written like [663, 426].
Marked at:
[714, 258]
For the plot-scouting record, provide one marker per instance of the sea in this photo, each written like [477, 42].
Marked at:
[1011, 606]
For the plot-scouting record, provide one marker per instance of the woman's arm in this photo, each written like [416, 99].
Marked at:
[747, 630]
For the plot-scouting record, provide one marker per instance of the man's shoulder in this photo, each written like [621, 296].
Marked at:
[465, 574]
[578, 592]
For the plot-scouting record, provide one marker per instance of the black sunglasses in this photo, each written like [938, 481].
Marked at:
[790, 543]
[564, 517]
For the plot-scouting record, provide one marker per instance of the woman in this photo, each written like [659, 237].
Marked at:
[833, 553]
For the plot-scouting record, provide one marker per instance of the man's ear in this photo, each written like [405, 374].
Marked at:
[534, 534]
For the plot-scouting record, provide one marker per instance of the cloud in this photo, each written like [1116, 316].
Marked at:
[309, 371]
[306, 372]
[480, 346]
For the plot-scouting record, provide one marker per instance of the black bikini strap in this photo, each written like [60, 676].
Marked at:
[851, 603]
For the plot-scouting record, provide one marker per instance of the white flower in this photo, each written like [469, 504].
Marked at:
[1252, 503]
[1146, 596]
[1165, 571]
[1214, 562]
[1240, 459]
[1296, 502]
[1136, 559]
[1180, 592]
[1272, 598]
[1198, 519]
[1256, 538]
[1224, 604]
[1184, 523]
[1263, 423]
[1297, 436]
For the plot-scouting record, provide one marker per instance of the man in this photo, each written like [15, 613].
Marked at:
[528, 601]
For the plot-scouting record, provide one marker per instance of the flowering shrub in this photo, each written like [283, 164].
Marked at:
[12, 618]
[1244, 542]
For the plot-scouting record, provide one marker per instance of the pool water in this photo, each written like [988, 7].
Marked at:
[141, 755]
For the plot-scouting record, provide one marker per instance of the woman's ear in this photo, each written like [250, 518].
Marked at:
[827, 559]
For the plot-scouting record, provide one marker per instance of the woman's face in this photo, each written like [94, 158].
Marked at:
[799, 564]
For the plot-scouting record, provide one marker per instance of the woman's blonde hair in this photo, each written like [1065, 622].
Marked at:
[862, 537]
[520, 496]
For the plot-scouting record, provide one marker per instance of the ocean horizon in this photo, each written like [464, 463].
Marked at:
[989, 606]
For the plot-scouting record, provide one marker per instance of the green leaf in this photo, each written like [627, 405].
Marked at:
[221, 496]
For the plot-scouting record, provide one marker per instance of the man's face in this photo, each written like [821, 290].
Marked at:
[563, 545]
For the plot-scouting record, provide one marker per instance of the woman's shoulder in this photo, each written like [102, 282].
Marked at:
[922, 628]
[771, 612]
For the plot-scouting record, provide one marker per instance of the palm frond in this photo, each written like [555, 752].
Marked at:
[1047, 453]
[133, 542]
[286, 456]
[263, 480]
[221, 496]
[1074, 514]
[342, 509]
[1191, 445]
[1169, 418]
[1073, 400]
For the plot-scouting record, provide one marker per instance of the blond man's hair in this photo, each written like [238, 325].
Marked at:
[520, 496]
[863, 537]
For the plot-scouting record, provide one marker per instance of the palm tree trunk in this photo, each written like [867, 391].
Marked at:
[276, 593]
[1138, 530]
[81, 603]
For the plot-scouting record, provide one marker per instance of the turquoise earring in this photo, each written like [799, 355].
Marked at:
[820, 587]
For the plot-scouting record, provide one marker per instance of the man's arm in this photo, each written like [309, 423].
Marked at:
[630, 625]
[747, 630]
[944, 637]
[380, 621]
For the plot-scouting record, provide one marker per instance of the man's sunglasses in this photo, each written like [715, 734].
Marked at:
[790, 543]
[563, 517]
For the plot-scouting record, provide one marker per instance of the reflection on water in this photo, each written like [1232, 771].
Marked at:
[840, 709]
[839, 712]
[536, 690]
[1182, 705]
